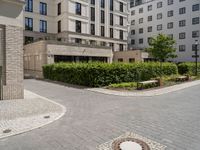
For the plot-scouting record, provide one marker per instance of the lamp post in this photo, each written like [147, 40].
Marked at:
[196, 56]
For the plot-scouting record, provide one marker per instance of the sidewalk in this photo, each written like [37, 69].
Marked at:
[154, 92]
[34, 111]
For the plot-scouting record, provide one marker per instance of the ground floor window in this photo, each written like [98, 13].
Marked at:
[59, 58]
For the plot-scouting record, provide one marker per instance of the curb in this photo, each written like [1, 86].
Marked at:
[41, 125]
[155, 92]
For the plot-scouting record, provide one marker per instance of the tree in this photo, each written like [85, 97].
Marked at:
[162, 48]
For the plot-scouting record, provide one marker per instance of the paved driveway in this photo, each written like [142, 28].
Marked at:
[92, 119]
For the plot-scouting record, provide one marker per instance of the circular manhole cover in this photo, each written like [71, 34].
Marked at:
[7, 131]
[129, 144]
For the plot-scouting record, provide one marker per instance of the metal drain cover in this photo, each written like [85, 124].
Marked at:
[129, 144]
[7, 131]
[46, 117]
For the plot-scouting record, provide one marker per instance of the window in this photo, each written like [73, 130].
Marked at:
[195, 20]
[59, 26]
[59, 8]
[78, 8]
[132, 42]
[141, 30]
[78, 26]
[102, 3]
[132, 12]
[29, 24]
[170, 13]
[111, 19]
[43, 8]
[132, 32]
[92, 2]
[43, 26]
[182, 35]
[181, 0]
[102, 31]
[149, 29]
[182, 48]
[141, 41]
[149, 8]
[150, 18]
[121, 48]
[182, 10]
[120, 59]
[159, 16]
[131, 60]
[28, 40]
[29, 6]
[111, 32]
[92, 13]
[182, 23]
[170, 25]
[159, 5]
[121, 21]
[170, 2]
[111, 5]
[102, 16]
[140, 20]
[121, 6]
[140, 10]
[171, 36]
[149, 40]
[92, 29]
[121, 34]
[77, 40]
[195, 7]
[132, 22]
[195, 34]
[159, 27]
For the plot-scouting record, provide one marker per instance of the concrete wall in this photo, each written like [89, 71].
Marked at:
[129, 56]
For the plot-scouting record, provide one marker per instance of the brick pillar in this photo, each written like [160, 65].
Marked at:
[13, 86]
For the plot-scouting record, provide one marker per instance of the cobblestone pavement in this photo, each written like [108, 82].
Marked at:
[18, 116]
[93, 119]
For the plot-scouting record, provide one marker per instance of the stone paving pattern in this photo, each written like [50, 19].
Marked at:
[24, 115]
[92, 119]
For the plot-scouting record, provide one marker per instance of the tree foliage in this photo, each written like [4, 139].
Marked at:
[162, 48]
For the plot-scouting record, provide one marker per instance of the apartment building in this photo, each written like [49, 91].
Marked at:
[92, 28]
[180, 19]
[11, 49]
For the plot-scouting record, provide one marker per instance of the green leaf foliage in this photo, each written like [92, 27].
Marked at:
[188, 68]
[161, 47]
[103, 74]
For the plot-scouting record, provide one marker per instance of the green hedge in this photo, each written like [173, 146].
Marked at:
[188, 68]
[102, 74]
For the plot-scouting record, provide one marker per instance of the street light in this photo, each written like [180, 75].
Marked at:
[196, 55]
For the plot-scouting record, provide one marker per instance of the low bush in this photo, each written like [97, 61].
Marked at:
[188, 68]
[97, 74]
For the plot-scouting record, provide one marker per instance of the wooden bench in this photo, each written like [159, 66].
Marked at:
[182, 78]
[140, 85]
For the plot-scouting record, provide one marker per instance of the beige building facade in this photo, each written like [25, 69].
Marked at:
[130, 56]
[11, 49]
[44, 52]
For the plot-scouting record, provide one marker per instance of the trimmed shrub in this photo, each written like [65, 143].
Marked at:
[188, 68]
[97, 74]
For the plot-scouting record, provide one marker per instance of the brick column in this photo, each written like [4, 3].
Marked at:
[13, 86]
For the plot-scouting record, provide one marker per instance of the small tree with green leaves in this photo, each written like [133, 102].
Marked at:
[162, 48]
